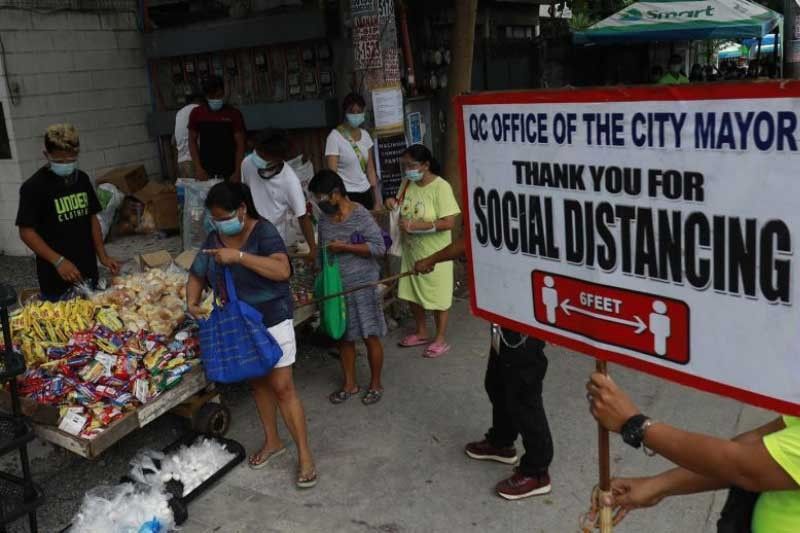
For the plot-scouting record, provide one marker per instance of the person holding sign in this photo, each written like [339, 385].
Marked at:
[765, 460]
[428, 215]
[348, 152]
[514, 379]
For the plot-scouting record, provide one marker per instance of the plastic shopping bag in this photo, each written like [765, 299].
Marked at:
[333, 311]
[235, 345]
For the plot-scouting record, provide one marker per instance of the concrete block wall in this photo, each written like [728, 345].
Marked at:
[87, 68]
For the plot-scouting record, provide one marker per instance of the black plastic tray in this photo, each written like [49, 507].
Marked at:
[13, 504]
[14, 433]
[230, 445]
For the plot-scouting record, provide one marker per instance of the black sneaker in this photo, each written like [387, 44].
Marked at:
[484, 451]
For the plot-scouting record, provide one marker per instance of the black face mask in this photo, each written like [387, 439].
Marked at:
[270, 172]
[328, 208]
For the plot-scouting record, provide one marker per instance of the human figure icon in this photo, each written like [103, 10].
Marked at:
[550, 298]
[660, 327]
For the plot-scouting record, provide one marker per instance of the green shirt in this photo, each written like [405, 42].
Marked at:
[779, 511]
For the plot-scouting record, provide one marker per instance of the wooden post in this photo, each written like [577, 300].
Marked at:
[604, 456]
[459, 81]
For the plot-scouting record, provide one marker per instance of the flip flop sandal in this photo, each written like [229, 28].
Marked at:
[342, 396]
[308, 481]
[265, 458]
[411, 341]
[372, 397]
[436, 350]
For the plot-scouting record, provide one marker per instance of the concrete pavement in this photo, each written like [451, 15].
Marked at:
[399, 466]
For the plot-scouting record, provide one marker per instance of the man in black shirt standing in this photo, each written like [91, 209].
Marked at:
[56, 218]
[216, 135]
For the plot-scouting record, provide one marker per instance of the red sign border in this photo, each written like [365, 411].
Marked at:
[712, 91]
[688, 347]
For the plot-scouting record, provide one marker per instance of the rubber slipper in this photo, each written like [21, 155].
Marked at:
[436, 349]
[307, 482]
[410, 341]
[341, 396]
[372, 396]
[265, 458]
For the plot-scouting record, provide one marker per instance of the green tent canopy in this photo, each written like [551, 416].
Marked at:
[682, 20]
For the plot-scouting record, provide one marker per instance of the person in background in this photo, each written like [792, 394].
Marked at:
[656, 73]
[674, 75]
[428, 215]
[216, 135]
[181, 135]
[348, 152]
[348, 230]
[696, 75]
[765, 460]
[56, 218]
[256, 255]
[514, 382]
[276, 189]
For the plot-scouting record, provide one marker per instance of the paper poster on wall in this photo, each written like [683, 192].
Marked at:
[654, 227]
[389, 150]
[414, 130]
[387, 106]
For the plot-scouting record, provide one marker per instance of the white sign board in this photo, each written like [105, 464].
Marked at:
[654, 227]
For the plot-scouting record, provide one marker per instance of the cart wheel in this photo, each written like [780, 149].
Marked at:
[212, 419]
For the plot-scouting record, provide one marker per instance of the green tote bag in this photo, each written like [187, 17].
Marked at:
[333, 311]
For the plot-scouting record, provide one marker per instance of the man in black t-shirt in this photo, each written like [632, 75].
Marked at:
[216, 135]
[56, 218]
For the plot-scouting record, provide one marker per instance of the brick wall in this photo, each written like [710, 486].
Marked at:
[87, 68]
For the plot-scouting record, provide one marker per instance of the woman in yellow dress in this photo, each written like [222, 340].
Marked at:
[428, 215]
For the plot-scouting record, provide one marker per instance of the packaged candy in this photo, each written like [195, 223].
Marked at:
[92, 371]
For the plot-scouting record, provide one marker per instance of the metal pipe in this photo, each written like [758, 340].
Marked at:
[408, 57]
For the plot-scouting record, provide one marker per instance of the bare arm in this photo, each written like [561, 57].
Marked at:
[307, 228]
[37, 245]
[744, 463]
[239, 137]
[194, 293]
[194, 150]
[332, 161]
[100, 248]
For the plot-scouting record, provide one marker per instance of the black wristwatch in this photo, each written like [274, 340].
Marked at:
[633, 430]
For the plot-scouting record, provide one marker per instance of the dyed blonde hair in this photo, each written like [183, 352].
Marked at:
[62, 137]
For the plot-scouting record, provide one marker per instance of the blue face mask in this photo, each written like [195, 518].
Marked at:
[63, 169]
[232, 226]
[215, 103]
[355, 119]
[258, 161]
[413, 175]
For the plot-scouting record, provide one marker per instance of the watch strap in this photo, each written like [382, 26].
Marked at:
[633, 430]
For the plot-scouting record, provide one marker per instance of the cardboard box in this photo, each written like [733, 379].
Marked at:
[160, 259]
[160, 207]
[128, 179]
[185, 259]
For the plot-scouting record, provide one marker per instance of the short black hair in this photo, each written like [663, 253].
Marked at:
[421, 154]
[213, 84]
[229, 196]
[272, 142]
[353, 99]
[325, 182]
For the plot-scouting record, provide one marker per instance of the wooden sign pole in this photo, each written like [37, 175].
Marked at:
[604, 453]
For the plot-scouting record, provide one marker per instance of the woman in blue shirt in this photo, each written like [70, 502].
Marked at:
[256, 255]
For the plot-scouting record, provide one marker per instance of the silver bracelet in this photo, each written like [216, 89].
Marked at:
[58, 262]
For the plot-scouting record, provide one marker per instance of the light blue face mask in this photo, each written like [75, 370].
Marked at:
[258, 161]
[413, 175]
[355, 119]
[63, 169]
[232, 226]
[215, 104]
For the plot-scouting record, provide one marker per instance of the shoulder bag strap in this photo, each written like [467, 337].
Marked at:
[361, 159]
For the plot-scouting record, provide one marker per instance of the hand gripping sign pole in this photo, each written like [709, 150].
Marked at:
[600, 515]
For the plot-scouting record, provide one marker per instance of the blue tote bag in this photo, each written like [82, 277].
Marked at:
[235, 345]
